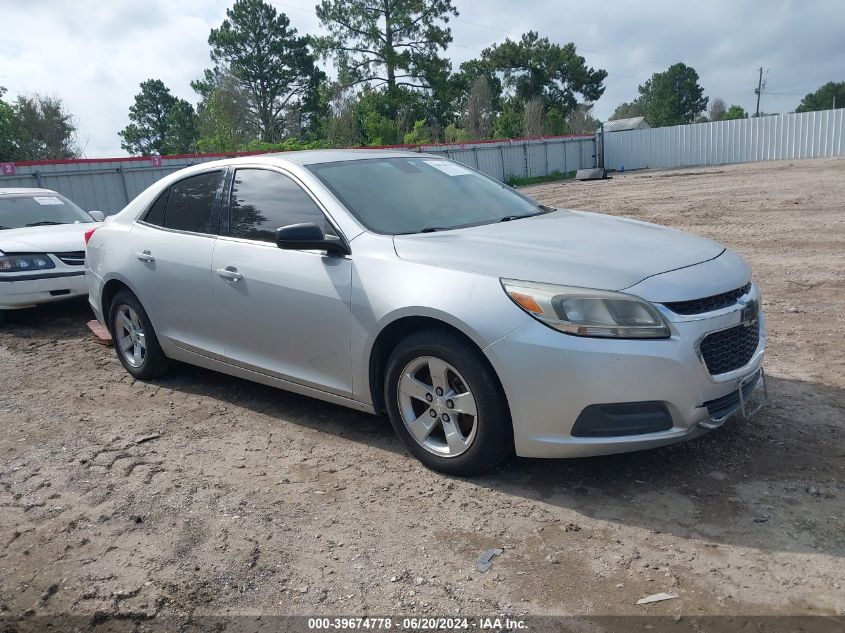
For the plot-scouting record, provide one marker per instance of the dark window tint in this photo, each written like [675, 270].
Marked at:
[191, 203]
[263, 201]
[156, 213]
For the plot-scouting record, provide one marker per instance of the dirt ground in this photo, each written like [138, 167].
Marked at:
[257, 501]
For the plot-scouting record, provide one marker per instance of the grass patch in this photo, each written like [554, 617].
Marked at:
[516, 181]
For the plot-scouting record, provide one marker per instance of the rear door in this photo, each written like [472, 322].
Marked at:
[284, 313]
[172, 247]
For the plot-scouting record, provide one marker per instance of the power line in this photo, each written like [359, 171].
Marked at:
[290, 6]
[484, 26]
[581, 48]
[508, 33]
[589, 50]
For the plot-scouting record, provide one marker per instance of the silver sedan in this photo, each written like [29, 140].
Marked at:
[480, 321]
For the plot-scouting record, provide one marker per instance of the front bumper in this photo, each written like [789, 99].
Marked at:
[549, 378]
[25, 291]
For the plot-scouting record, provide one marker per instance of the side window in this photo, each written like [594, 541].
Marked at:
[263, 201]
[190, 204]
[155, 214]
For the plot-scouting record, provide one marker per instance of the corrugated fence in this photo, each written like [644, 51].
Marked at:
[108, 184]
[788, 136]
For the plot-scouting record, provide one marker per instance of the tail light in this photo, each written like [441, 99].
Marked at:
[88, 235]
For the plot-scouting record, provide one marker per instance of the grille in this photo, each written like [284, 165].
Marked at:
[72, 258]
[730, 349]
[708, 304]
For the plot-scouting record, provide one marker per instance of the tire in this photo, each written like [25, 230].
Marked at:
[454, 442]
[143, 358]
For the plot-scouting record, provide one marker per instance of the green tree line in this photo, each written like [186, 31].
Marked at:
[36, 127]
[392, 84]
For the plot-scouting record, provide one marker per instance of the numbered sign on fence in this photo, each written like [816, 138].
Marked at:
[8, 169]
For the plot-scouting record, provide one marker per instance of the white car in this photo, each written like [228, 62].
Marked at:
[42, 247]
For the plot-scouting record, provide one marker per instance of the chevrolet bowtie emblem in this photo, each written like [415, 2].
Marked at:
[749, 312]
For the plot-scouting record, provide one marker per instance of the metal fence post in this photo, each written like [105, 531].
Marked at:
[546, 146]
[565, 152]
[525, 158]
[123, 182]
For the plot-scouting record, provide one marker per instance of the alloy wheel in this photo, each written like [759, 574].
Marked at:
[437, 406]
[130, 336]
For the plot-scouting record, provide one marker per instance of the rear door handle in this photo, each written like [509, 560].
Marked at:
[230, 274]
[145, 256]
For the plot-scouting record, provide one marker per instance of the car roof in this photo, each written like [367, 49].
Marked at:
[311, 157]
[315, 156]
[26, 191]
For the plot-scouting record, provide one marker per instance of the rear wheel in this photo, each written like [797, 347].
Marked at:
[446, 405]
[134, 338]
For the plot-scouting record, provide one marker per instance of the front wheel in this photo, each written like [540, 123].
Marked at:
[134, 338]
[446, 405]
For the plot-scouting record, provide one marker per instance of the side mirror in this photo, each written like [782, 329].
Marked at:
[308, 237]
[99, 216]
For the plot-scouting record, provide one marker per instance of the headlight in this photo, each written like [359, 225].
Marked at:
[586, 312]
[23, 263]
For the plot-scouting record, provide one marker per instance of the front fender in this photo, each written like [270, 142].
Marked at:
[386, 289]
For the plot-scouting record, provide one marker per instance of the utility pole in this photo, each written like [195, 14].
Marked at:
[758, 91]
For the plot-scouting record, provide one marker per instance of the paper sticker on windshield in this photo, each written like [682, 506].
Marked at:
[47, 200]
[453, 169]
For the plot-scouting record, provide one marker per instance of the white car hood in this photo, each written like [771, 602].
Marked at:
[573, 248]
[61, 238]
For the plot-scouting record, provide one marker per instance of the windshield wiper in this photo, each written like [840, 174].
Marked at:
[432, 229]
[45, 223]
[508, 218]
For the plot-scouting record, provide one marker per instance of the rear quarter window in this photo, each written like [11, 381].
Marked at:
[155, 214]
[187, 205]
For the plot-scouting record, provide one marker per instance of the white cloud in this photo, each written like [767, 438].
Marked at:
[94, 55]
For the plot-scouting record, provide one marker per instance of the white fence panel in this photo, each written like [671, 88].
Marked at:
[108, 184]
[788, 136]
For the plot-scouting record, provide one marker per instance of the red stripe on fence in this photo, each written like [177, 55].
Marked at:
[131, 159]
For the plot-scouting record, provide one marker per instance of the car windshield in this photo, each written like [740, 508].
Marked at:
[411, 195]
[43, 209]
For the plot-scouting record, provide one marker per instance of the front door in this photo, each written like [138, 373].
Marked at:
[284, 313]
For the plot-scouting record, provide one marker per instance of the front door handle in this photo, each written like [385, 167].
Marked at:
[230, 274]
[145, 256]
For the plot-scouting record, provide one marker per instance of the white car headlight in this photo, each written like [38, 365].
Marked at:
[25, 263]
[586, 312]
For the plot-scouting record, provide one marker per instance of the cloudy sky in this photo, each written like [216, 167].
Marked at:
[94, 54]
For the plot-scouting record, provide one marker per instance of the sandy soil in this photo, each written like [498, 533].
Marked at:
[254, 500]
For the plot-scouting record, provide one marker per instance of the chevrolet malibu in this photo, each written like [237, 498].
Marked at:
[481, 322]
[41, 247]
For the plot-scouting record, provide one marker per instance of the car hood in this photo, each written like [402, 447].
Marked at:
[573, 248]
[60, 238]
